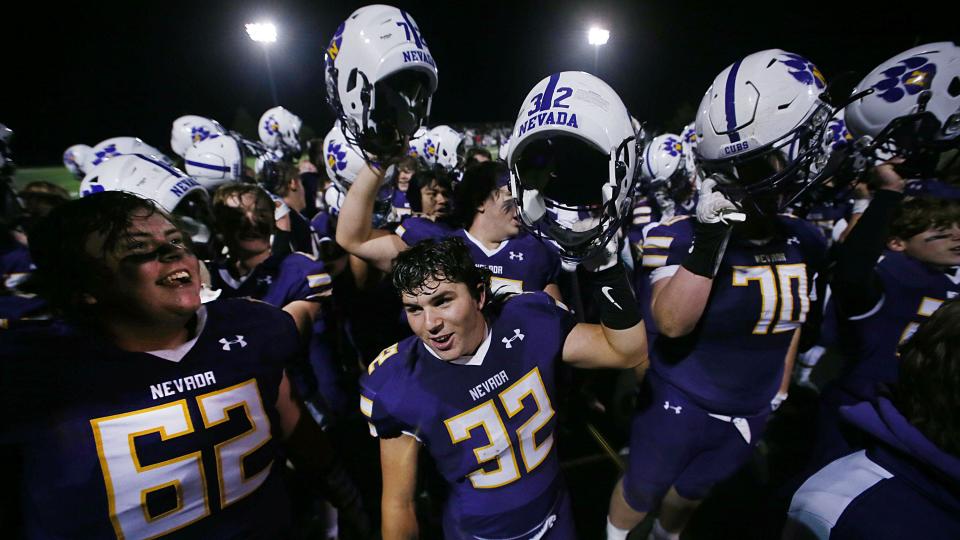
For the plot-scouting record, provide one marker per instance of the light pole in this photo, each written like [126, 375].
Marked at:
[597, 36]
[265, 34]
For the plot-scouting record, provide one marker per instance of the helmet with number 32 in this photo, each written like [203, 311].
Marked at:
[574, 159]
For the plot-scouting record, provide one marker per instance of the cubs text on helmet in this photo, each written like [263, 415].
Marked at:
[909, 105]
[191, 129]
[443, 146]
[279, 129]
[574, 161]
[117, 146]
[759, 128]
[665, 166]
[74, 158]
[172, 190]
[380, 77]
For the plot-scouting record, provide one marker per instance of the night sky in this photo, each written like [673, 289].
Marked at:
[80, 74]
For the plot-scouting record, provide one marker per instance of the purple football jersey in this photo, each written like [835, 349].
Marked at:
[519, 264]
[912, 291]
[277, 281]
[123, 444]
[489, 424]
[15, 265]
[416, 228]
[732, 362]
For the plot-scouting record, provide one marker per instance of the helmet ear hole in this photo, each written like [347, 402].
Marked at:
[352, 79]
[954, 88]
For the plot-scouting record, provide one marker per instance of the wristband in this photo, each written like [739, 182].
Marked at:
[614, 296]
[709, 244]
[859, 206]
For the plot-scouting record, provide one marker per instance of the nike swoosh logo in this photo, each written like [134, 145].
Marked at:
[606, 292]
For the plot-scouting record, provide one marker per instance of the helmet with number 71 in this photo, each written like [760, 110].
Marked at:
[574, 152]
[760, 127]
[914, 103]
[380, 78]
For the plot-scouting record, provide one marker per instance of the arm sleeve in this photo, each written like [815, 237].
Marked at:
[855, 283]
[377, 393]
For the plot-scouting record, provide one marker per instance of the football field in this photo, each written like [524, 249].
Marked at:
[58, 175]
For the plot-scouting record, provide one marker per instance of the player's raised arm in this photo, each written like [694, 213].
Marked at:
[355, 229]
[620, 340]
[679, 300]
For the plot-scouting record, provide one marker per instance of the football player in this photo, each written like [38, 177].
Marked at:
[726, 298]
[900, 487]
[143, 412]
[475, 386]
[882, 299]
[518, 261]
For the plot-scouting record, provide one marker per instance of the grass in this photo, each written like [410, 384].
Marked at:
[58, 175]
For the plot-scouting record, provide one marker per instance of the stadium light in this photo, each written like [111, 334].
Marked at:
[262, 32]
[265, 33]
[598, 36]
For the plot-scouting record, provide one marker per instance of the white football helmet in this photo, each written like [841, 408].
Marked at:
[416, 143]
[215, 160]
[144, 176]
[914, 103]
[380, 77]
[333, 200]
[574, 152]
[74, 158]
[117, 146]
[665, 166]
[191, 129]
[280, 130]
[760, 125]
[443, 146]
[342, 161]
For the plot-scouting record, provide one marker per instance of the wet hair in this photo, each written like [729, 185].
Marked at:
[58, 245]
[928, 392]
[438, 260]
[479, 182]
[921, 214]
[422, 179]
[232, 220]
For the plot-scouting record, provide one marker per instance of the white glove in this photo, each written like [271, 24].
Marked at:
[777, 400]
[713, 207]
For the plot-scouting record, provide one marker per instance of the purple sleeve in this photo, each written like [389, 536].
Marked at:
[668, 243]
[300, 278]
[378, 389]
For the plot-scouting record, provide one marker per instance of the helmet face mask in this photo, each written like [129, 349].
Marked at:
[908, 106]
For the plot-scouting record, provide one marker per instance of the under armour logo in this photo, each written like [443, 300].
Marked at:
[516, 335]
[793, 240]
[227, 343]
[676, 410]
[265, 280]
[517, 256]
